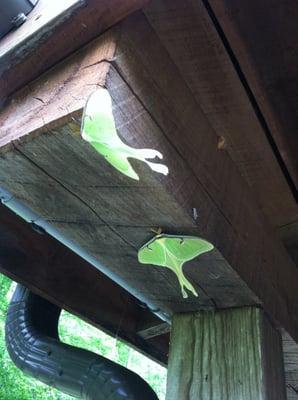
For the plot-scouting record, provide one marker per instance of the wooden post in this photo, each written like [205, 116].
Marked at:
[225, 355]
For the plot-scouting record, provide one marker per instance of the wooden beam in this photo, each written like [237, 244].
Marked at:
[110, 216]
[40, 21]
[271, 76]
[51, 33]
[85, 72]
[289, 235]
[212, 76]
[54, 272]
[233, 354]
[290, 351]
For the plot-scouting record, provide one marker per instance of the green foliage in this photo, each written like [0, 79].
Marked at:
[98, 128]
[172, 251]
[14, 385]
[74, 331]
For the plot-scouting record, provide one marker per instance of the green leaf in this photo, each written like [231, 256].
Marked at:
[98, 128]
[172, 251]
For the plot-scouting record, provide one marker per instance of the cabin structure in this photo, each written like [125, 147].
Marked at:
[212, 85]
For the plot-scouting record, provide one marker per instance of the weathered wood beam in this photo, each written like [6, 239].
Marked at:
[227, 355]
[268, 58]
[54, 272]
[111, 216]
[213, 78]
[290, 351]
[107, 229]
[51, 33]
[268, 62]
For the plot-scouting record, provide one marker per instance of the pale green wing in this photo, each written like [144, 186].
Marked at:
[98, 128]
[186, 248]
[152, 253]
[117, 160]
[98, 123]
[173, 251]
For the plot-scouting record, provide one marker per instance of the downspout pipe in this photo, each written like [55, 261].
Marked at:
[32, 340]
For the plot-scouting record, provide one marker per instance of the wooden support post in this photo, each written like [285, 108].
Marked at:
[225, 355]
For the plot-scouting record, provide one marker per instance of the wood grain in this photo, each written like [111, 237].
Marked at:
[52, 271]
[188, 33]
[59, 97]
[290, 352]
[190, 131]
[104, 219]
[68, 184]
[38, 20]
[223, 355]
[263, 37]
[25, 60]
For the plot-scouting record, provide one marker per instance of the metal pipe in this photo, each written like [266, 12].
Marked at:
[33, 343]
[28, 215]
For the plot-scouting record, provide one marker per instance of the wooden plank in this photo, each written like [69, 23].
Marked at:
[52, 103]
[149, 326]
[227, 355]
[38, 21]
[106, 228]
[273, 361]
[153, 107]
[115, 228]
[289, 235]
[263, 36]
[44, 44]
[290, 351]
[54, 272]
[152, 331]
[141, 70]
[189, 35]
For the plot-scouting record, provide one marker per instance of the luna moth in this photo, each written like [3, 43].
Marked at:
[98, 128]
[172, 251]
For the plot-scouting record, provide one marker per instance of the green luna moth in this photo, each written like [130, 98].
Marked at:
[172, 251]
[98, 128]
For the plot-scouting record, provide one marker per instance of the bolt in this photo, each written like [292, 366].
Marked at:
[18, 20]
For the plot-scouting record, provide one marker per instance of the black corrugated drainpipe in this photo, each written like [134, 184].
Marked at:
[33, 344]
